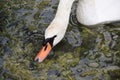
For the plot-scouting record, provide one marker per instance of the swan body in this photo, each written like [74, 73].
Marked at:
[92, 12]
[89, 12]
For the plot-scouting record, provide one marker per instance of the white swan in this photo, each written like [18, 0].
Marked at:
[89, 12]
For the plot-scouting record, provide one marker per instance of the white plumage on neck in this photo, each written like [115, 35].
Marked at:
[59, 24]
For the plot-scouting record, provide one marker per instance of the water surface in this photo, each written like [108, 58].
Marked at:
[84, 53]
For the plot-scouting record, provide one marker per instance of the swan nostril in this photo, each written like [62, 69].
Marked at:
[45, 47]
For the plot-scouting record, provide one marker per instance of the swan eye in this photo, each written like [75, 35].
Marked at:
[50, 40]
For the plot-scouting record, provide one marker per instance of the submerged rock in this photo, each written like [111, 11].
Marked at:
[1, 62]
[74, 37]
[53, 72]
[3, 41]
[93, 64]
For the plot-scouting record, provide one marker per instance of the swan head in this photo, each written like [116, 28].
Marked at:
[53, 35]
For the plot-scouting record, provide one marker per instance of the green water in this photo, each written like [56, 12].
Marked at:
[84, 53]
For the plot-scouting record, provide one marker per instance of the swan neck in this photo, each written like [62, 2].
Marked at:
[63, 11]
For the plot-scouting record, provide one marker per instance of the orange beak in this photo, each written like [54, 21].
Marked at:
[43, 52]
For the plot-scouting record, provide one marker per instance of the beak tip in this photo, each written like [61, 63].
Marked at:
[38, 60]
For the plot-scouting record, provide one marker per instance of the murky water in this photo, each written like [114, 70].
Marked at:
[84, 53]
